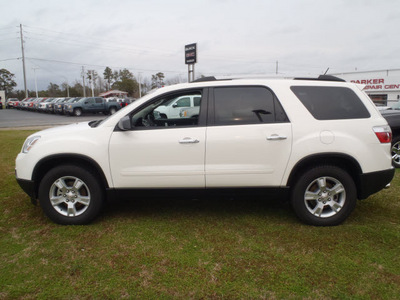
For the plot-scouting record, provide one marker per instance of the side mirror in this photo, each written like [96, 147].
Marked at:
[124, 124]
[175, 105]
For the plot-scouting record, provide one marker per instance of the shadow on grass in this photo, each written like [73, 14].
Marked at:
[213, 206]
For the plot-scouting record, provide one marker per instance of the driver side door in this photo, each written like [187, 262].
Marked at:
[160, 153]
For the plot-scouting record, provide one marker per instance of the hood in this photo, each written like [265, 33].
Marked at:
[64, 129]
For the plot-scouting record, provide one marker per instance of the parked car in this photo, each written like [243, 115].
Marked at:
[26, 105]
[173, 108]
[12, 103]
[70, 101]
[59, 107]
[392, 116]
[319, 143]
[91, 105]
[42, 107]
[37, 103]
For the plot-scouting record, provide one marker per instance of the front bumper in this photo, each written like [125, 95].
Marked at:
[371, 183]
[28, 186]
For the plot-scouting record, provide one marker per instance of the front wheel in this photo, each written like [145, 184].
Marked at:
[71, 195]
[77, 112]
[113, 110]
[324, 196]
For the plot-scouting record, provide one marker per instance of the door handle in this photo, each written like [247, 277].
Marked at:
[276, 137]
[188, 140]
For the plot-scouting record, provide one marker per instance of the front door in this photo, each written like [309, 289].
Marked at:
[157, 152]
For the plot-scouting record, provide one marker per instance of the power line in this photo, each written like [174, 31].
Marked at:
[99, 66]
[10, 59]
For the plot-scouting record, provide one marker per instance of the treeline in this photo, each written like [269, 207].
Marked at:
[122, 80]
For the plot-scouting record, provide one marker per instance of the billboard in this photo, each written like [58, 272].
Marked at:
[191, 54]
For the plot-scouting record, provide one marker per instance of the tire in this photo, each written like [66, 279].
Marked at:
[77, 112]
[113, 110]
[324, 196]
[396, 152]
[71, 195]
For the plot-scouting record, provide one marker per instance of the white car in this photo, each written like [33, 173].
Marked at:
[172, 108]
[309, 141]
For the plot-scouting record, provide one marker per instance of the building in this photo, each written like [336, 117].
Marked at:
[114, 93]
[382, 86]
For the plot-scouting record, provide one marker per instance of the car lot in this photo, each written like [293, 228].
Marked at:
[12, 118]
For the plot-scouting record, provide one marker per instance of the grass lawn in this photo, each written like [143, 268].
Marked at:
[209, 248]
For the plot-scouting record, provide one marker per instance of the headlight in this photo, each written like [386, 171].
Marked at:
[29, 143]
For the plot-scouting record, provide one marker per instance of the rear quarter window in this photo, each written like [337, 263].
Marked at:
[331, 103]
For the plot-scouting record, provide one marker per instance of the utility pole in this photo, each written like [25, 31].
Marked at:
[34, 72]
[91, 82]
[23, 60]
[140, 88]
[83, 78]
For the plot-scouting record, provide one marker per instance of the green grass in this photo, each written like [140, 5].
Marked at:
[210, 248]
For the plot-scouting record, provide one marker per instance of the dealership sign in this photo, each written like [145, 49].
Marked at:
[191, 54]
[378, 84]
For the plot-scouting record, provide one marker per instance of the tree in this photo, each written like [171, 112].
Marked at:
[157, 80]
[53, 90]
[108, 77]
[92, 76]
[125, 81]
[7, 82]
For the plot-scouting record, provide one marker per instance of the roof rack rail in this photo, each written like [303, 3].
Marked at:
[323, 78]
[208, 78]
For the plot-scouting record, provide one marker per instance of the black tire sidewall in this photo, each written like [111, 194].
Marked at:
[309, 176]
[395, 140]
[96, 192]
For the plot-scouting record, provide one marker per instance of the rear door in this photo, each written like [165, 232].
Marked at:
[249, 138]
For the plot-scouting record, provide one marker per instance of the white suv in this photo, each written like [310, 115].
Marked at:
[320, 143]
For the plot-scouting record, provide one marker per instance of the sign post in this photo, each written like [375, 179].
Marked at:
[191, 59]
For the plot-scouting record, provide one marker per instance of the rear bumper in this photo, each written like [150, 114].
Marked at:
[370, 183]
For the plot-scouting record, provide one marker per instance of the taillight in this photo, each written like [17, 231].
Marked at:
[383, 133]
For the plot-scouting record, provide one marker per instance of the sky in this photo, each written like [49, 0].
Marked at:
[235, 38]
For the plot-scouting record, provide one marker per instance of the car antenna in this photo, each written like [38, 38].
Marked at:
[326, 71]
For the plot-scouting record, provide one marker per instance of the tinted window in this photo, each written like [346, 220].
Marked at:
[196, 101]
[246, 105]
[331, 103]
[99, 100]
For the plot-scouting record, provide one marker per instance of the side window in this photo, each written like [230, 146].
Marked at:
[331, 103]
[89, 101]
[169, 112]
[246, 105]
[99, 100]
[183, 102]
[196, 101]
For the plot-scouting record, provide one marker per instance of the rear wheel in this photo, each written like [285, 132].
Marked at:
[324, 196]
[396, 152]
[71, 195]
[113, 110]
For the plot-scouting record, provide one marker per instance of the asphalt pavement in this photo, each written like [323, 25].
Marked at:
[19, 119]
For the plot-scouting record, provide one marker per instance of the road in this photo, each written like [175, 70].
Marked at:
[13, 118]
